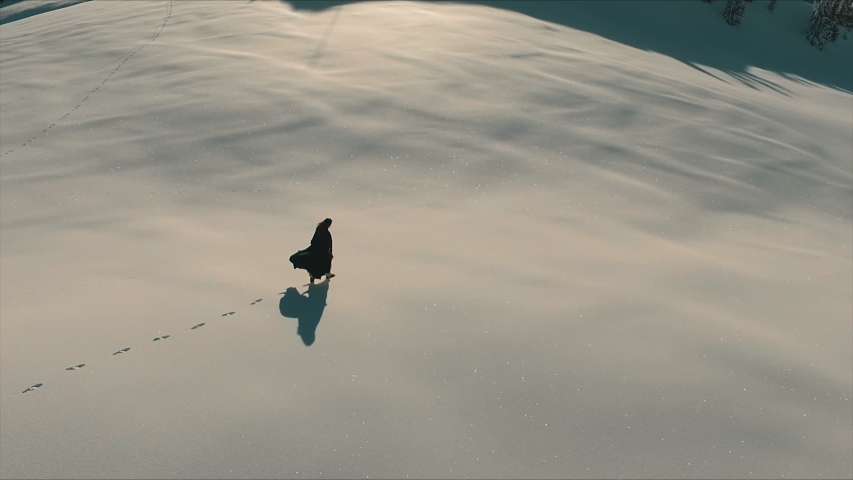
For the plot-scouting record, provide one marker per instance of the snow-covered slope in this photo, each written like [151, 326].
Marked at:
[559, 253]
[14, 10]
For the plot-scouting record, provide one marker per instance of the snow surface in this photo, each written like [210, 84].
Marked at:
[563, 248]
[14, 10]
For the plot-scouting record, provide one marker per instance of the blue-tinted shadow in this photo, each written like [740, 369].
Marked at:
[306, 307]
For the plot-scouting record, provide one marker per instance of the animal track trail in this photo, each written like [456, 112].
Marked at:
[71, 80]
[113, 72]
[161, 338]
[198, 326]
[257, 301]
[76, 367]
[34, 387]
[228, 314]
[123, 350]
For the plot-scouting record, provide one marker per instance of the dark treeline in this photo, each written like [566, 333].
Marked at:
[830, 18]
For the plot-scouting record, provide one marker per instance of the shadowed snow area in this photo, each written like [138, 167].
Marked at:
[560, 253]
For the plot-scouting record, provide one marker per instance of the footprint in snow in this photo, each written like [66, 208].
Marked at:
[76, 367]
[161, 338]
[121, 351]
[228, 313]
[33, 387]
[257, 301]
[197, 326]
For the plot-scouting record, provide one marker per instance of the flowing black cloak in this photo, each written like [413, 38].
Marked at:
[317, 258]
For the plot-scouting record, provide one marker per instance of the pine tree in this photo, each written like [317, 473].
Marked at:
[821, 28]
[833, 20]
[845, 18]
[733, 13]
[772, 6]
[840, 13]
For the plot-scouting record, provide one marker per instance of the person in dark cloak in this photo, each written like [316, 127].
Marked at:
[317, 258]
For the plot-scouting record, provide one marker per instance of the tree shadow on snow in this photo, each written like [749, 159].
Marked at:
[306, 307]
[691, 32]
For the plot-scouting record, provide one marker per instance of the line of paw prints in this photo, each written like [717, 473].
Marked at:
[113, 72]
[97, 69]
[127, 349]
[70, 80]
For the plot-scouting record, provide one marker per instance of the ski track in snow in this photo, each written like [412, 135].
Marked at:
[113, 72]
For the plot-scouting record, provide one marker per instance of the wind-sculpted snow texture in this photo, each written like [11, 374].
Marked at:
[123, 60]
[561, 252]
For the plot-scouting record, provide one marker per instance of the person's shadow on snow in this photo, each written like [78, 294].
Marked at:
[306, 307]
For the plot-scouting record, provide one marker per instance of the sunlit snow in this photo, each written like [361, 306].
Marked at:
[572, 240]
